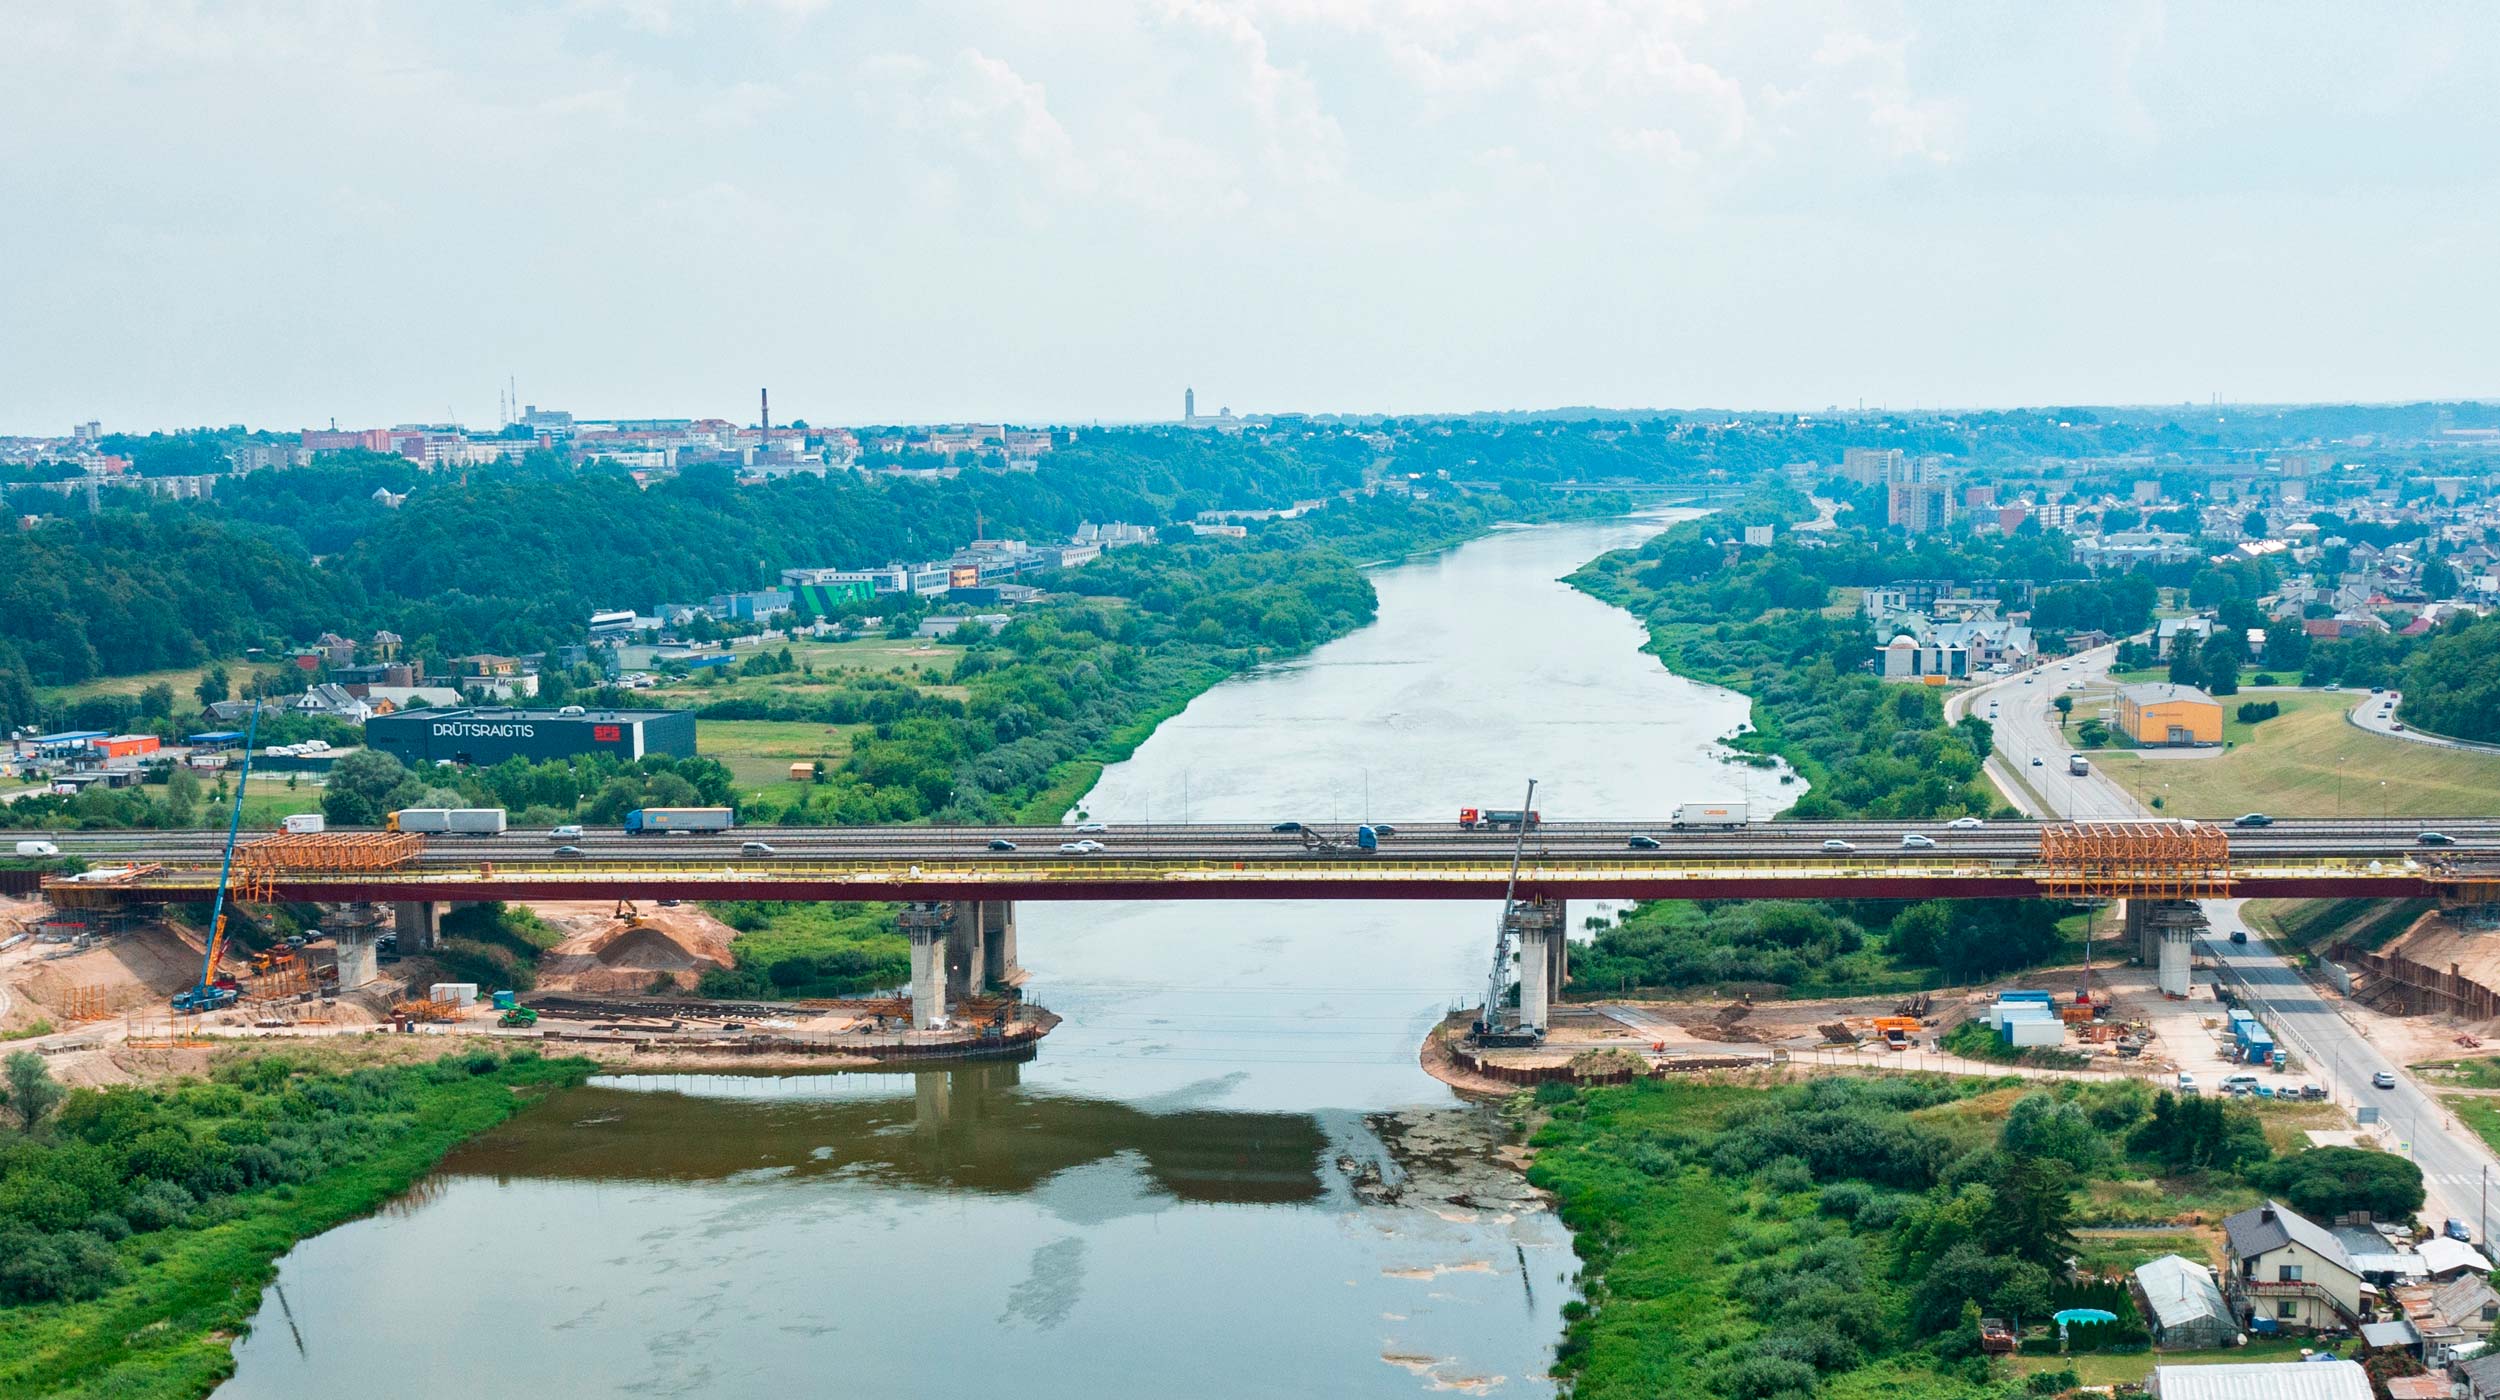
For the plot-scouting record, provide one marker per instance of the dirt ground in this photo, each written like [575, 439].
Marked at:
[131, 972]
[602, 953]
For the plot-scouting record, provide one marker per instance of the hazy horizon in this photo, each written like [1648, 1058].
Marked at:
[280, 213]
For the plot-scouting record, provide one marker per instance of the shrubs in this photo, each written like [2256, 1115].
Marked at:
[2322, 1182]
[2259, 711]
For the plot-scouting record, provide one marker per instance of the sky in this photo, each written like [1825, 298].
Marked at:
[1069, 210]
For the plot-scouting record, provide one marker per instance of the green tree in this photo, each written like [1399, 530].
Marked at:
[2184, 667]
[182, 796]
[157, 702]
[360, 788]
[30, 1090]
[214, 687]
[2041, 1125]
[2034, 1210]
[2326, 1181]
[2065, 709]
[2219, 659]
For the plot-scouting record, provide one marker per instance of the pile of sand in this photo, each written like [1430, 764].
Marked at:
[605, 954]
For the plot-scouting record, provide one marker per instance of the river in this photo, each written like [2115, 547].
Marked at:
[1176, 1196]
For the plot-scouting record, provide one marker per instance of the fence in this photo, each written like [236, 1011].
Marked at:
[2457, 994]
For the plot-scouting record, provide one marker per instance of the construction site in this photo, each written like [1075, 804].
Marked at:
[100, 989]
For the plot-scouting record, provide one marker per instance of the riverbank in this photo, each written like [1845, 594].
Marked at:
[154, 1283]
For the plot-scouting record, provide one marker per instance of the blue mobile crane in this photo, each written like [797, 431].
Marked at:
[211, 992]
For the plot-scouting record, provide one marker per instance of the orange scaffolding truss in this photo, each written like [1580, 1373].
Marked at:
[330, 852]
[2136, 860]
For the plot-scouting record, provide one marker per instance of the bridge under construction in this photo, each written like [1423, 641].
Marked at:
[959, 885]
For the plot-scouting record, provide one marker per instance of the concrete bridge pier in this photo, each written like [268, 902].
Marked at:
[998, 945]
[1539, 925]
[420, 927]
[967, 956]
[358, 961]
[926, 924]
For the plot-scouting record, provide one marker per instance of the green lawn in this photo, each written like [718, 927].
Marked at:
[2480, 1114]
[759, 752]
[2136, 1368]
[824, 663]
[2478, 1072]
[184, 680]
[2310, 762]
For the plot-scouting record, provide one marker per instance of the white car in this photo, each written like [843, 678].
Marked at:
[1837, 847]
[1095, 827]
[1966, 823]
[1917, 841]
[1080, 848]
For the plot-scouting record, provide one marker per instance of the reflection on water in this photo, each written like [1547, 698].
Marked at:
[962, 1130]
[1184, 1194]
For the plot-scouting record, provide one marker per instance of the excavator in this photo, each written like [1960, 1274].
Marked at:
[214, 991]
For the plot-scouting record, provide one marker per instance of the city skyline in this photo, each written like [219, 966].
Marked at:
[383, 213]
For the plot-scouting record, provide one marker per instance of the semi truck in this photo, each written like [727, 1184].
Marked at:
[1709, 816]
[645, 821]
[1497, 819]
[447, 821]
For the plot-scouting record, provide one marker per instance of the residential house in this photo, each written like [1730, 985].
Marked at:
[2445, 1258]
[330, 698]
[390, 699]
[2170, 631]
[1933, 653]
[2290, 1271]
[2480, 1375]
[2452, 1316]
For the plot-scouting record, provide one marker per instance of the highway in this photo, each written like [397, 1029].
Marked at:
[2333, 1049]
[2323, 838]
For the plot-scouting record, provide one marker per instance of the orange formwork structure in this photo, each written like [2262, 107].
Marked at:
[258, 864]
[2135, 860]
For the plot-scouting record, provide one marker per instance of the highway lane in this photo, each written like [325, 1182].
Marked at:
[2336, 1054]
[2333, 1049]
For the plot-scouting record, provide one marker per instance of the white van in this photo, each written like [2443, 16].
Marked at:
[37, 848]
[2187, 1086]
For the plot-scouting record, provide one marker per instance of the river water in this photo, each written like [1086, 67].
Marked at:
[1173, 1198]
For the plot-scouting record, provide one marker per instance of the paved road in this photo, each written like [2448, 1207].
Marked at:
[2377, 714]
[2337, 1055]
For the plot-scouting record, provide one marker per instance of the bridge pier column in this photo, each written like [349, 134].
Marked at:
[967, 962]
[358, 962]
[2138, 934]
[925, 924]
[998, 944]
[1540, 927]
[420, 926]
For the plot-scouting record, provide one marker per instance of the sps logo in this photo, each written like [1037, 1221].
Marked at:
[607, 733]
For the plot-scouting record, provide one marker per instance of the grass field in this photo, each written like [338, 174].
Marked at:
[2317, 924]
[2310, 762]
[905, 660]
[2478, 1113]
[759, 752]
[184, 680]
[2135, 1369]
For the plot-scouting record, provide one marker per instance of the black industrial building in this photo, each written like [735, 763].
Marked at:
[489, 736]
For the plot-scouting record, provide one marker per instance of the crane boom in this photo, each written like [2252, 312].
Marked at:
[206, 995]
[1498, 985]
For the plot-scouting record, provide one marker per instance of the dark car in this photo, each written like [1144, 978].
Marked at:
[2456, 1230]
[1001, 843]
[1286, 826]
[1643, 843]
[568, 850]
[2435, 838]
[2253, 819]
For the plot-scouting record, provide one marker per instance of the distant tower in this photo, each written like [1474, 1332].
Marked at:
[1189, 404]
